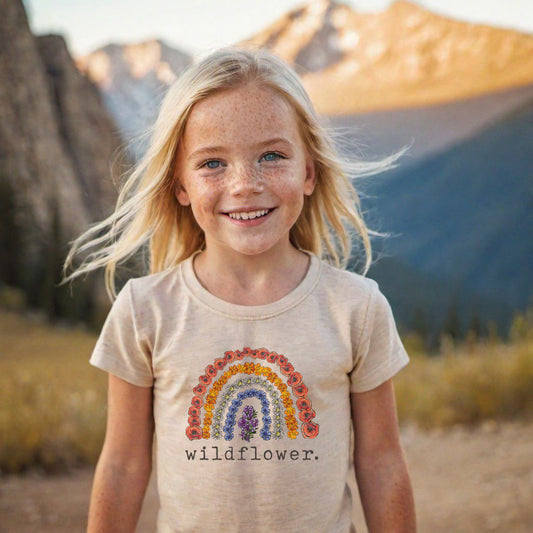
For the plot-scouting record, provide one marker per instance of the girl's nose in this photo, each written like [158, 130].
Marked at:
[245, 179]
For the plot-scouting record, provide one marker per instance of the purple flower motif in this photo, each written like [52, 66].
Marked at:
[248, 423]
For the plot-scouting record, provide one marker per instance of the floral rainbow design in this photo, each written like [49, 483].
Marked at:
[217, 410]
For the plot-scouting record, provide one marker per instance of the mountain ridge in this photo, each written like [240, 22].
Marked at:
[400, 57]
[404, 56]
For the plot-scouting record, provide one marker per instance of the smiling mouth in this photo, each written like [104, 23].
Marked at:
[249, 215]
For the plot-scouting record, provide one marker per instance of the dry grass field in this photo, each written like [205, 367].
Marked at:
[471, 383]
[52, 402]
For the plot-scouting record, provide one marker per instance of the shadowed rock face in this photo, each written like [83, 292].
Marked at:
[86, 130]
[323, 49]
[56, 142]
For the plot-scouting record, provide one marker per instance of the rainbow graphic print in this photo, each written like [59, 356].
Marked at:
[237, 397]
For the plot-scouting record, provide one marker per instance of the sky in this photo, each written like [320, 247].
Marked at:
[198, 26]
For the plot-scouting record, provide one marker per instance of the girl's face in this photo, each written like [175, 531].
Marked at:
[244, 170]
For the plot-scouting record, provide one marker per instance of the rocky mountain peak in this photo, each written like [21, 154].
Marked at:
[153, 58]
[133, 79]
[403, 56]
[306, 36]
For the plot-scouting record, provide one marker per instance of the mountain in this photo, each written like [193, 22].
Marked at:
[387, 78]
[56, 145]
[465, 215]
[458, 208]
[404, 56]
[133, 80]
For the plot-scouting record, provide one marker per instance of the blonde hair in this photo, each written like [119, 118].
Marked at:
[147, 211]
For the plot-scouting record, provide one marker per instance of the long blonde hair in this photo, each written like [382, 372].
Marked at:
[147, 211]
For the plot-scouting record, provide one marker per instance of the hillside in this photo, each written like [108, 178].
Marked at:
[431, 304]
[428, 129]
[465, 216]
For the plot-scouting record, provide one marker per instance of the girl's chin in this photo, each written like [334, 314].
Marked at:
[255, 249]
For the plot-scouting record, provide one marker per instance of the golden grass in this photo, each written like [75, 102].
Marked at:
[52, 402]
[468, 384]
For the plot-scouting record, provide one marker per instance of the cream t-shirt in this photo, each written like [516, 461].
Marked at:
[252, 403]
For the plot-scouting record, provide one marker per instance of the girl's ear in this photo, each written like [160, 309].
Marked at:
[179, 190]
[310, 176]
[181, 193]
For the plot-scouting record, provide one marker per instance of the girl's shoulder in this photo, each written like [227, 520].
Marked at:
[361, 299]
[150, 287]
[347, 282]
[352, 293]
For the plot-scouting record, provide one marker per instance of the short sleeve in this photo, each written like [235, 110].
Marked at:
[380, 352]
[119, 349]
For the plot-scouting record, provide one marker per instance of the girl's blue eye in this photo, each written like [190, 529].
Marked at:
[212, 164]
[271, 156]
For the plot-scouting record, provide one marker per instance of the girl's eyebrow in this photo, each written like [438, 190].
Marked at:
[274, 140]
[206, 150]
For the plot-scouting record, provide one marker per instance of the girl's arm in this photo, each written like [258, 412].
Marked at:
[125, 463]
[380, 467]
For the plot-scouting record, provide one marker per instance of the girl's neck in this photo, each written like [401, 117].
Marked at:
[251, 280]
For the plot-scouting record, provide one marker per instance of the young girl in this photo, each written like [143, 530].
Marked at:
[244, 352]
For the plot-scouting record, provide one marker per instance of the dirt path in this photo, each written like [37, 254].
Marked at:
[470, 481]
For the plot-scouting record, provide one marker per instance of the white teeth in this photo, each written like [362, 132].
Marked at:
[248, 215]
